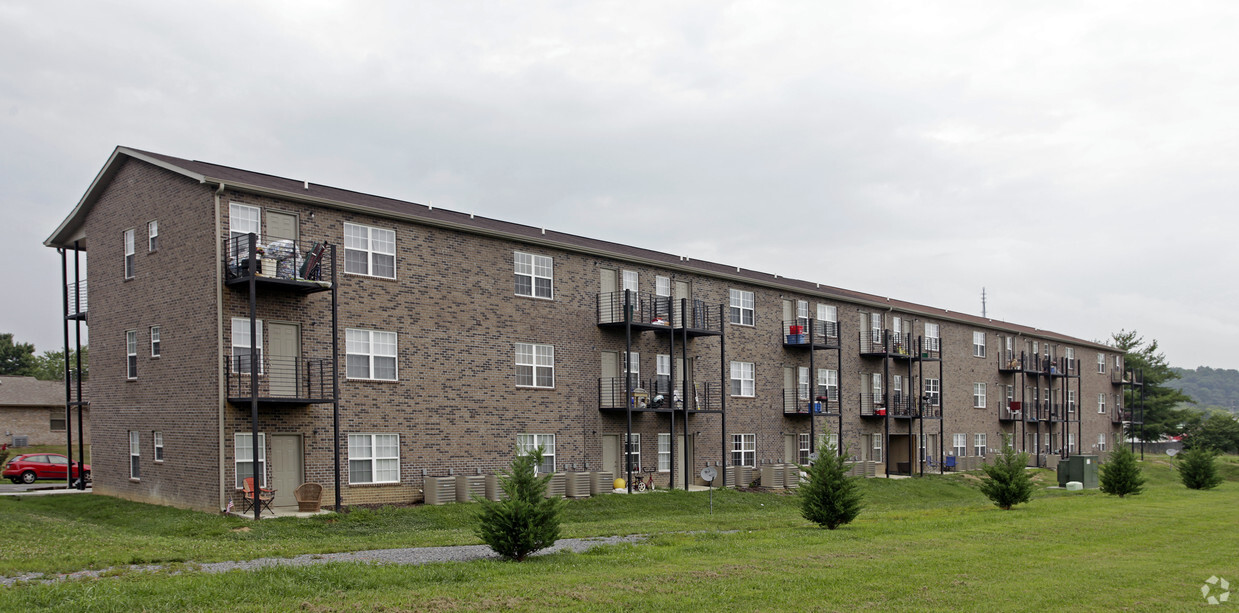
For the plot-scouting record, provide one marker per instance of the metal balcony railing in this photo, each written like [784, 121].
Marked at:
[280, 379]
[699, 315]
[278, 258]
[1119, 416]
[1013, 411]
[873, 342]
[930, 348]
[1010, 361]
[902, 345]
[902, 406]
[640, 309]
[872, 405]
[803, 331]
[931, 411]
[77, 299]
[657, 393]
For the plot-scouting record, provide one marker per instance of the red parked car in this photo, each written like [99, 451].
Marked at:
[29, 467]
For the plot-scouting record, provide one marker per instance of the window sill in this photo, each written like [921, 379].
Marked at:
[360, 380]
[535, 388]
[368, 276]
[742, 325]
[371, 485]
[133, 480]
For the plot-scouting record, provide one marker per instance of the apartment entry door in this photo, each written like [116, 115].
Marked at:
[284, 358]
[287, 469]
[611, 455]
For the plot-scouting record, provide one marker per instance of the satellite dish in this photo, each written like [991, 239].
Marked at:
[813, 457]
[708, 474]
[1172, 452]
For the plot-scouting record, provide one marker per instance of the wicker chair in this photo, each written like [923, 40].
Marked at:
[309, 497]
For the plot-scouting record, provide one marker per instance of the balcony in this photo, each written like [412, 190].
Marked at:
[1061, 367]
[1010, 362]
[1127, 377]
[77, 301]
[872, 405]
[809, 333]
[931, 410]
[654, 396]
[902, 407]
[797, 403]
[1034, 364]
[1119, 416]
[701, 320]
[643, 312]
[1013, 411]
[1056, 413]
[281, 381]
[930, 348]
[873, 343]
[1032, 412]
[902, 346]
[279, 264]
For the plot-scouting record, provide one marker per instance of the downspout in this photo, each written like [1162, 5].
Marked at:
[219, 336]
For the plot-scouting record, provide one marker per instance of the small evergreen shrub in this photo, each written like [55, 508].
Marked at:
[1120, 475]
[1007, 483]
[831, 498]
[527, 521]
[1197, 470]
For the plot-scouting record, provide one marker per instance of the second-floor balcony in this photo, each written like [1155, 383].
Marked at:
[872, 405]
[1126, 377]
[1011, 411]
[77, 300]
[281, 380]
[659, 313]
[902, 407]
[797, 402]
[290, 264]
[1119, 415]
[657, 394]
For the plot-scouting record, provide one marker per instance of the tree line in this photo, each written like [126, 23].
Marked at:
[20, 359]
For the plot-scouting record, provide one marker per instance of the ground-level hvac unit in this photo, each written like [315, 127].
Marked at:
[791, 476]
[601, 482]
[577, 485]
[772, 476]
[494, 490]
[439, 490]
[739, 476]
[557, 486]
[468, 486]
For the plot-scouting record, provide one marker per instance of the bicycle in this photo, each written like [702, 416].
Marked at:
[648, 482]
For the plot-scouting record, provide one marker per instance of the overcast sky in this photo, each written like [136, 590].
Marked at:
[1076, 160]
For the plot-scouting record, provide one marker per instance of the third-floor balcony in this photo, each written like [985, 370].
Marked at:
[77, 300]
[810, 333]
[1011, 411]
[294, 265]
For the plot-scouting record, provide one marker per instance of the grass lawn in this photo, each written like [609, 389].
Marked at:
[921, 544]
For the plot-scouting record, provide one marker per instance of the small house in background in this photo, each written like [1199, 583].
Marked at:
[34, 411]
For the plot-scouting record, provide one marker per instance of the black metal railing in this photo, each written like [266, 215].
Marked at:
[1119, 416]
[930, 348]
[931, 410]
[802, 331]
[280, 378]
[699, 315]
[902, 345]
[1033, 363]
[902, 406]
[657, 393]
[872, 405]
[797, 402]
[873, 342]
[1056, 411]
[1010, 361]
[277, 258]
[77, 298]
[1012, 411]
[640, 309]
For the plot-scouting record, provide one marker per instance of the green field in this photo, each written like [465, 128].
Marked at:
[921, 544]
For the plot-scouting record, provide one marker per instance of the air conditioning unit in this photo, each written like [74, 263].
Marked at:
[557, 486]
[791, 476]
[468, 486]
[494, 491]
[601, 482]
[578, 485]
[772, 476]
[439, 490]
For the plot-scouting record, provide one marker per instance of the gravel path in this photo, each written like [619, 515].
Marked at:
[410, 555]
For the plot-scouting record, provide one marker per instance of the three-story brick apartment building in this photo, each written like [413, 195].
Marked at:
[226, 303]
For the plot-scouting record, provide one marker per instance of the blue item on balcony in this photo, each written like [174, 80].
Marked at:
[795, 339]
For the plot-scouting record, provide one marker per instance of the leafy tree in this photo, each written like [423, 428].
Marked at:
[527, 520]
[1210, 387]
[1161, 417]
[50, 366]
[1217, 430]
[1008, 484]
[831, 498]
[1197, 470]
[1120, 475]
[15, 358]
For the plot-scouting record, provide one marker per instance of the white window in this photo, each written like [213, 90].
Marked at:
[978, 344]
[662, 365]
[632, 367]
[744, 449]
[131, 354]
[128, 254]
[829, 314]
[932, 342]
[158, 442]
[828, 383]
[526, 443]
[154, 341]
[978, 444]
[373, 458]
[664, 452]
[135, 454]
[243, 220]
[535, 365]
[244, 453]
[933, 391]
[877, 447]
[629, 280]
[1101, 363]
[978, 395]
[1071, 401]
[241, 345]
[742, 379]
[1101, 442]
[634, 450]
[369, 251]
[370, 354]
[803, 458]
[1101, 403]
[534, 275]
[802, 382]
[1118, 363]
[1071, 442]
[741, 307]
[960, 444]
[833, 440]
[662, 286]
[875, 327]
[1071, 354]
[152, 235]
[802, 312]
[1010, 395]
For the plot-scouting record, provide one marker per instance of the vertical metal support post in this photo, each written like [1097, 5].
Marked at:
[725, 390]
[254, 340]
[64, 286]
[670, 398]
[839, 386]
[684, 391]
[812, 391]
[628, 385]
[335, 378]
[1141, 413]
[886, 402]
[77, 330]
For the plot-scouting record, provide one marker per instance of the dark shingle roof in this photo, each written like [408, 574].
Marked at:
[31, 392]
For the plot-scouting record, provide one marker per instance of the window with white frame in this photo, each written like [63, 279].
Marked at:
[978, 444]
[1118, 363]
[664, 452]
[742, 383]
[631, 367]
[662, 286]
[370, 354]
[1101, 442]
[629, 281]
[828, 383]
[1101, 363]
[369, 251]
[978, 395]
[131, 354]
[1010, 395]
[802, 312]
[244, 453]
[135, 454]
[128, 254]
[832, 439]
[1071, 401]
[1101, 403]
[933, 391]
[932, 340]
[633, 450]
[876, 440]
[978, 344]
[829, 314]
[741, 310]
[242, 220]
[802, 382]
[1070, 354]
[241, 345]
[155, 349]
[803, 456]
[157, 441]
[152, 235]
[960, 445]
[535, 365]
[373, 458]
[526, 443]
[744, 449]
[1071, 442]
[662, 366]
[534, 275]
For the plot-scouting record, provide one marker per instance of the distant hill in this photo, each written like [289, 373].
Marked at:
[1209, 387]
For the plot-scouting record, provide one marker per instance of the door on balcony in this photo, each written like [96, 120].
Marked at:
[287, 471]
[284, 356]
[692, 318]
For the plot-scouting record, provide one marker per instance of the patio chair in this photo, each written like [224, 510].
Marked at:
[309, 497]
[262, 497]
